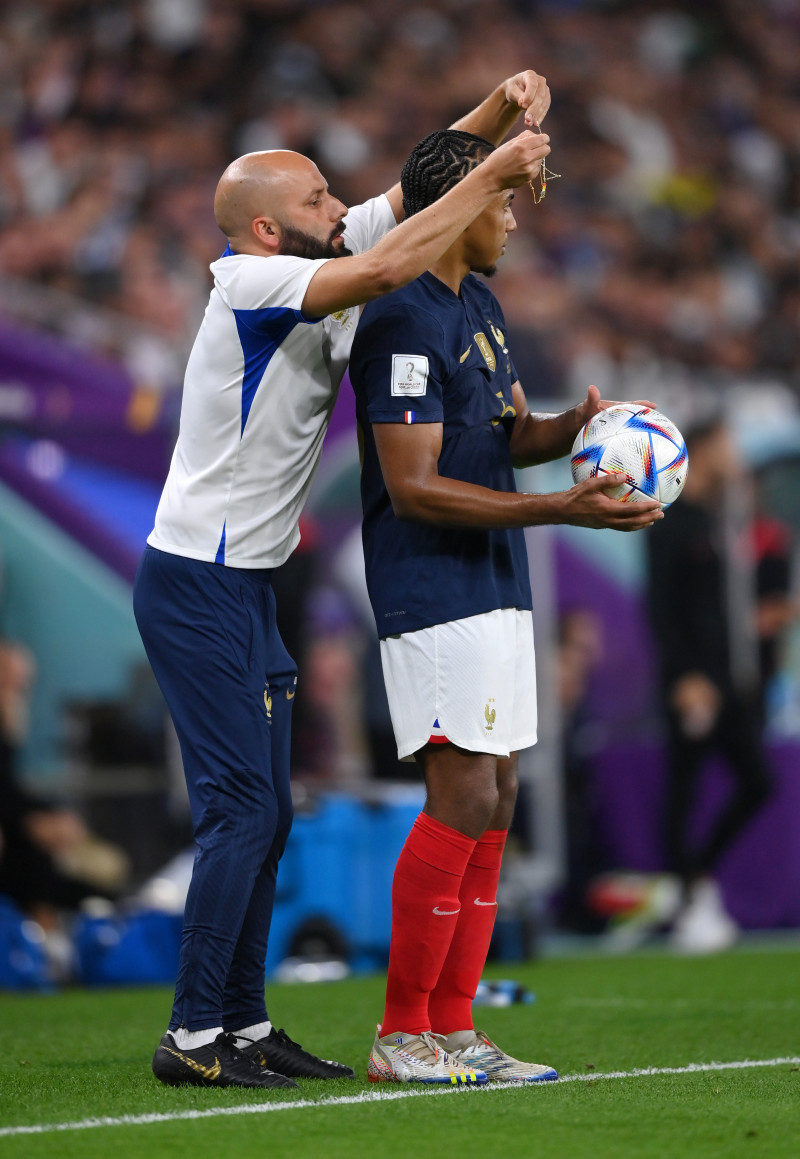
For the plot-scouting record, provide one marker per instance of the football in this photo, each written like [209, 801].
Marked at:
[638, 442]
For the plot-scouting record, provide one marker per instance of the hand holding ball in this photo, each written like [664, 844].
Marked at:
[638, 442]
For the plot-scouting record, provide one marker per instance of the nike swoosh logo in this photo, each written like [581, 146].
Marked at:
[479, 902]
[208, 1072]
[465, 355]
[290, 695]
[445, 912]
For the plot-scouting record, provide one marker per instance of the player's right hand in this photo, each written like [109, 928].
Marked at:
[519, 160]
[588, 505]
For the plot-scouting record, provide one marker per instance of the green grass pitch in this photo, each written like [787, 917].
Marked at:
[84, 1055]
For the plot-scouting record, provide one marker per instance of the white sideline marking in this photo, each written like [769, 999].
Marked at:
[382, 1097]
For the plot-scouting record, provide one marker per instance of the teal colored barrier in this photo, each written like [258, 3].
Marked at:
[72, 613]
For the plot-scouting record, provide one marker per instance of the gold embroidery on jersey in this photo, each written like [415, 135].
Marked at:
[342, 317]
[485, 349]
[507, 410]
[498, 336]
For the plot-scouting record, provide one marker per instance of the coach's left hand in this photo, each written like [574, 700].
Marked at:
[529, 92]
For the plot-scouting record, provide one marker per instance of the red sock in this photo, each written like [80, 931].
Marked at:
[450, 1004]
[425, 909]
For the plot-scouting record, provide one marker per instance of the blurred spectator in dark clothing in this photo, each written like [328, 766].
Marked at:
[776, 607]
[49, 861]
[293, 583]
[713, 702]
[379, 741]
[580, 650]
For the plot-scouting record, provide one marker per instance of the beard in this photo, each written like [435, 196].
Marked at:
[488, 271]
[297, 244]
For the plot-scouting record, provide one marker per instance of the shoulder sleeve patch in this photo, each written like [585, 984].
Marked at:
[409, 374]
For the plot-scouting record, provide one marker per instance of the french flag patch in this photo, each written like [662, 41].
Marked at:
[437, 734]
[408, 416]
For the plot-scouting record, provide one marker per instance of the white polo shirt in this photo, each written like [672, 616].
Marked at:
[259, 389]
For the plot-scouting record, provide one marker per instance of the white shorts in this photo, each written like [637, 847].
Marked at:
[471, 681]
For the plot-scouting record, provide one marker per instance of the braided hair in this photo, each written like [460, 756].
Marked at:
[437, 164]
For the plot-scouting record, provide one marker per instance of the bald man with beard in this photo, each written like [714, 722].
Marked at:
[260, 385]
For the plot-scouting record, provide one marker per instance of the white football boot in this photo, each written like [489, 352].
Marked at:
[419, 1058]
[704, 926]
[476, 1049]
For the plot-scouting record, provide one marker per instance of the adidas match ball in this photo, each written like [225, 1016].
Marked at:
[637, 442]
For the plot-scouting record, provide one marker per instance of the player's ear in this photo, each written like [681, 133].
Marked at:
[267, 233]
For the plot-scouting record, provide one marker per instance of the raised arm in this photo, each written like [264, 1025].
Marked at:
[526, 92]
[409, 458]
[494, 117]
[406, 252]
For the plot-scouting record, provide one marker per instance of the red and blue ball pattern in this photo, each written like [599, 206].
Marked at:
[638, 442]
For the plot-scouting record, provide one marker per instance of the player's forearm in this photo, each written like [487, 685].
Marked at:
[447, 502]
[493, 118]
[540, 438]
[454, 503]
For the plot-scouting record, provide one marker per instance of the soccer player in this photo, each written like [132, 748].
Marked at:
[443, 422]
[260, 385]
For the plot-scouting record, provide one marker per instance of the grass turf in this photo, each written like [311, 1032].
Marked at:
[85, 1054]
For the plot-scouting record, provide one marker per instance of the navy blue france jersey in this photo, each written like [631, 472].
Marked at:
[426, 355]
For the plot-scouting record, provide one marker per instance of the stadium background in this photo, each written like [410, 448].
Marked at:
[663, 264]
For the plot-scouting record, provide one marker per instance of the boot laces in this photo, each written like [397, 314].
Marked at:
[425, 1046]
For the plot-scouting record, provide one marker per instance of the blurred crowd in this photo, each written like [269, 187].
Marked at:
[664, 261]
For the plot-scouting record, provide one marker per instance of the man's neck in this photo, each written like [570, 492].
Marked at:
[451, 269]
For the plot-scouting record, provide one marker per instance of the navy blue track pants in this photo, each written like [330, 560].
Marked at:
[211, 637]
